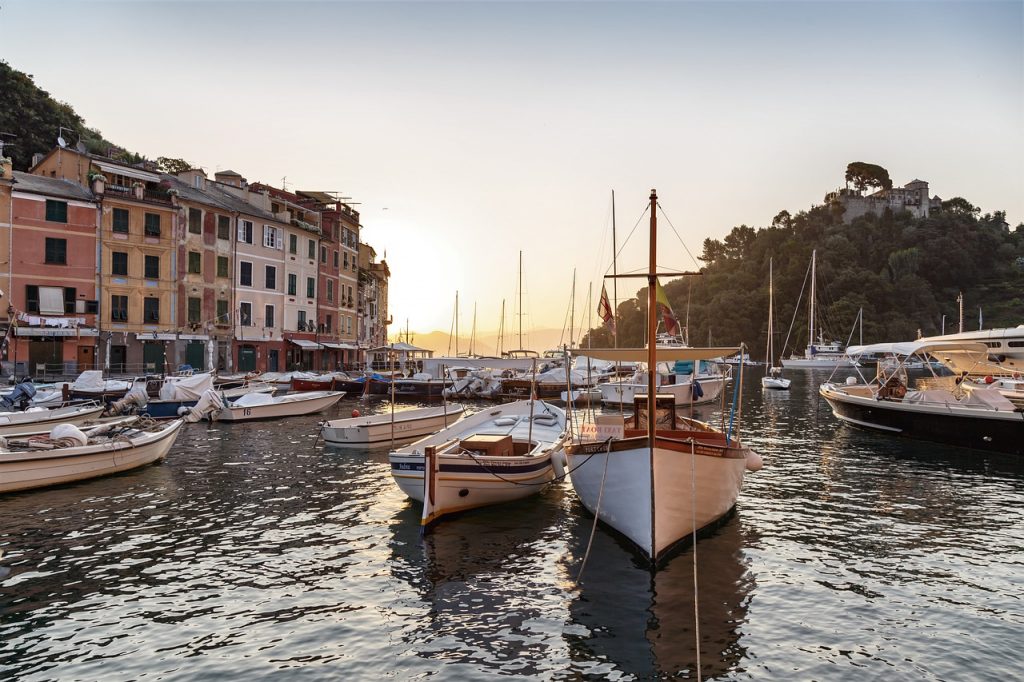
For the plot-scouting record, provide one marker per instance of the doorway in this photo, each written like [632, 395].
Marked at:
[246, 358]
[153, 357]
[195, 355]
[118, 358]
[86, 358]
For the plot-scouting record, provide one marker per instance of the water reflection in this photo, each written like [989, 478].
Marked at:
[643, 624]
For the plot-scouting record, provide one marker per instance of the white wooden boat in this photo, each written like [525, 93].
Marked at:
[679, 386]
[40, 420]
[402, 425]
[36, 463]
[494, 456]
[252, 406]
[662, 479]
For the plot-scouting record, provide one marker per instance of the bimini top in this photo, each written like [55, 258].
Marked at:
[936, 348]
[663, 354]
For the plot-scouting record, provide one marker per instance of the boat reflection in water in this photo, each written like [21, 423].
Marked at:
[495, 604]
[642, 621]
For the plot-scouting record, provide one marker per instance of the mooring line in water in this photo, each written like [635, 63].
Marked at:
[693, 522]
[597, 511]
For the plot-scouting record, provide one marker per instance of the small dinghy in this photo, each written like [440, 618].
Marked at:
[494, 456]
[385, 427]
[69, 454]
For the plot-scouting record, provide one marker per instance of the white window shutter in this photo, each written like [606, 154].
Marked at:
[280, 240]
[241, 230]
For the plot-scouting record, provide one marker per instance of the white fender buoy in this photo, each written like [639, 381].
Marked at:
[558, 463]
[754, 462]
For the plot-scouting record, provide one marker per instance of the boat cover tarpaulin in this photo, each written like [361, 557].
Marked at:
[186, 388]
[253, 399]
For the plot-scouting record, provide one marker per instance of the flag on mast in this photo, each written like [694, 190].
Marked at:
[667, 316]
[604, 310]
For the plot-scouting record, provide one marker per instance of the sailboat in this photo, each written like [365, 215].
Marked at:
[658, 478]
[821, 355]
[772, 379]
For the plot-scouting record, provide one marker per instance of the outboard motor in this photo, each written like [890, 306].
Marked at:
[20, 397]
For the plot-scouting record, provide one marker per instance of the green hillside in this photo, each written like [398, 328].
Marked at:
[32, 120]
[906, 273]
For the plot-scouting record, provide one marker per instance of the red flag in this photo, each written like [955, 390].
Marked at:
[604, 310]
[667, 316]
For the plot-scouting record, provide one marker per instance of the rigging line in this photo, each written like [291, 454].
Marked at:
[796, 310]
[665, 215]
[626, 241]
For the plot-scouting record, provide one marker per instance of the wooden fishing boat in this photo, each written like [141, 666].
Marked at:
[40, 420]
[107, 449]
[385, 427]
[494, 456]
[663, 478]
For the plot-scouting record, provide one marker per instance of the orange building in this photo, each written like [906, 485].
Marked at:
[50, 282]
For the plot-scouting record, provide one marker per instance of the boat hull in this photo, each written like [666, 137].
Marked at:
[312, 384]
[39, 469]
[408, 424]
[656, 497]
[16, 424]
[818, 363]
[775, 384]
[615, 393]
[301, 404]
[982, 430]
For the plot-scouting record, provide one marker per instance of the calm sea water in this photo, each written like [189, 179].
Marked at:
[252, 551]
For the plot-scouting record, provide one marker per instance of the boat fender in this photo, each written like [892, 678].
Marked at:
[989, 379]
[355, 413]
[851, 381]
[182, 411]
[558, 463]
[754, 462]
[69, 431]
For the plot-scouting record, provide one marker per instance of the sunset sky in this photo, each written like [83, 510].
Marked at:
[472, 130]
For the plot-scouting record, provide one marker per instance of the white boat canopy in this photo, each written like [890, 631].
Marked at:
[663, 354]
[936, 348]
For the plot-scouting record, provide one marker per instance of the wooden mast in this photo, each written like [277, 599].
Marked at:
[652, 323]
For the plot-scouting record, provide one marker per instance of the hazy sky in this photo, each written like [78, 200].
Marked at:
[473, 130]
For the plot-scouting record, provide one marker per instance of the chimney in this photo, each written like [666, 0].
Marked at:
[36, 158]
[6, 169]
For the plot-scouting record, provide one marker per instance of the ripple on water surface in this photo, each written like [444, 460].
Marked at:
[253, 549]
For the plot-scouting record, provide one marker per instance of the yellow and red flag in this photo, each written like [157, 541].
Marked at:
[667, 316]
[604, 310]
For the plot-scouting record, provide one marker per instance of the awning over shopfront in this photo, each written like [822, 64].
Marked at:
[165, 336]
[339, 346]
[305, 345]
[55, 331]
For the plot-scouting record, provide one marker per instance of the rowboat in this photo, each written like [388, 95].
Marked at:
[382, 428]
[70, 454]
[494, 456]
[40, 420]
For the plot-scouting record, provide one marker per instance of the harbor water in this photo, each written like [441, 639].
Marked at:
[254, 551]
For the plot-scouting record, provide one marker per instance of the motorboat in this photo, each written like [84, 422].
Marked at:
[688, 382]
[658, 479]
[69, 454]
[254, 406]
[980, 418]
[401, 425]
[497, 455]
[37, 420]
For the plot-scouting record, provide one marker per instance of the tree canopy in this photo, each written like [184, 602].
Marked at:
[867, 176]
[32, 120]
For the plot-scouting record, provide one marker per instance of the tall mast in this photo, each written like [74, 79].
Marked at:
[590, 312]
[615, 280]
[456, 323]
[810, 344]
[520, 300]
[472, 337]
[768, 351]
[652, 367]
[501, 331]
[572, 309]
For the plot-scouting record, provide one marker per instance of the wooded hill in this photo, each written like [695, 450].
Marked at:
[906, 273]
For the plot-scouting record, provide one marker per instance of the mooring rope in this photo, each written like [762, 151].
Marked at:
[597, 511]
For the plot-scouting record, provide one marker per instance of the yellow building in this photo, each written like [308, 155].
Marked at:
[137, 261]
